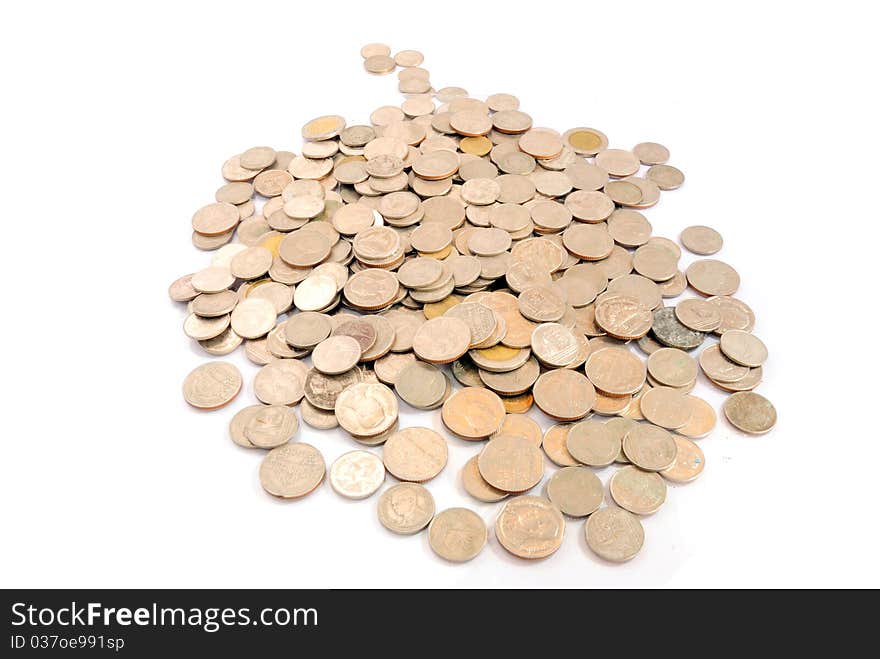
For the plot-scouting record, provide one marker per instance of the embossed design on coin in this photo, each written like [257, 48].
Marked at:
[415, 454]
[457, 534]
[530, 527]
[614, 534]
[406, 508]
[357, 474]
[292, 470]
[212, 385]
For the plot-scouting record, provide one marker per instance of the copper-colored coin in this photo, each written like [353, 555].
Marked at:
[640, 492]
[750, 412]
[718, 367]
[743, 348]
[215, 219]
[641, 288]
[735, 314]
[672, 367]
[711, 277]
[649, 447]
[616, 371]
[511, 463]
[554, 445]
[593, 443]
[623, 317]
[689, 462]
[702, 419]
[292, 470]
[698, 314]
[576, 491]
[442, 340]
[587, 241]
[666, 407]
[415, 454]
[521, 426]
[564, 394]
[473, 413]
[655, 263]
[614, 534]
[701, 240]
[212, 385]
[530, 527]
[476, 485]
[336, 354]
[513, 382]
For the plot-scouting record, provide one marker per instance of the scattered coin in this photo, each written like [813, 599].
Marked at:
[406, 508]
[473, 413]
[614, 534]
[701, 240]
[639, 492]
[649, 447]
[336, 354]
[593, 443]
[530, 527]
[415, 454]
[476, 485]
[212, 385]
[271, 426]
[292, 470]
[357, 474]
[511, 463]
[457, 534]
[743, 348]
[689, 462]
[576, 491]
[750, 412]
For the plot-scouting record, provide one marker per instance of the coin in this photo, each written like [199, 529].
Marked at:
[576, 491]
[215, 219]
[280, 382]
[649, 447]
[651, 153]
[699, 315]
[212, 385]
[614, 534]
[357, 474]
[415, 454]
[735, 314]
[639, 492]
[585, 141]
[405, 508]
[701, 240]
[457, 534]
[623, 317]
[717, 366]
[421, 385]
[271, 426]
[666, 177]
[442, 340]
[743, 348]
[670, 332]
[366, 409]
[292, 470]
[689, 462]
[520, 425]
[593, 443]
[203, 329]
[711, 277]
[615, 371]
[530, 527]
[476, 485]
[665, 407]
[511, 463]
[253, 318]
[238, 422]
[554, 445]
[316, 417]
[564, 394]
[672, 367]
[750, 412]
[473, 413]
[182, 290]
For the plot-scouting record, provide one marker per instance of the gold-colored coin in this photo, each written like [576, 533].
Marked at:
[530, 527]
[212, 385]
[457, 534]
[292, 470]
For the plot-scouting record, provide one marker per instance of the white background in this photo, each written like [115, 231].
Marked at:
[115, 121]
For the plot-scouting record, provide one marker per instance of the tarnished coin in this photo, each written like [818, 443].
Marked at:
[359, 329]
[649, 447]
[415, 454]
[473, 413]
[421, 385]
[476, 485]
[323, 390]
[406, 508]
[615, 371]
[750, 412]
[614, 534]
[564, 394]
[457, 534]
[280, 382]
[670, 332]
[212, 385]
[672, 367]
[640, 492]
[743, 348]
[511, 463]
[271, 426]
[593, 443]
[689, 462]
[366, 409]
[701, 240]
[292, 470]
[530, 527]
[576, 491]
[699, 315]
[307, 329]
[711, 277]
[442, 340]
[357, 474]
[554, 445]
[336, 354]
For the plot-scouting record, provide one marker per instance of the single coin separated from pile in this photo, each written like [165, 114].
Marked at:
[450, 254]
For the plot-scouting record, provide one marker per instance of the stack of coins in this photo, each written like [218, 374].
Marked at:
[450, 255]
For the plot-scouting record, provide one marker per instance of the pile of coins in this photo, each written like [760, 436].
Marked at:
[450, 255]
